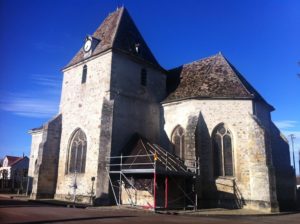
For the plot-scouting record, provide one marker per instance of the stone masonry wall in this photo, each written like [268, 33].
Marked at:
[37, 138]
[284, 172]
[278, 158]
[81, 107]
[44, 167]
[262, 178]
[209, 113]
[137, 108]
[36, 153]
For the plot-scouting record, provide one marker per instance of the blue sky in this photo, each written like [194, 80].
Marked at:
[37, 38]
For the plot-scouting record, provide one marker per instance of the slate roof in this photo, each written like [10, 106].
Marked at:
[211, 77]
[119, 32]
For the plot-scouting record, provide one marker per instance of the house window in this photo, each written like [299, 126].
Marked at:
[84, 74]
[77, 152]
[178, 141]
[144, 77]
[222, 151]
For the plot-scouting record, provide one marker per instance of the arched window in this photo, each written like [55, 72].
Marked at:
[84, 74]
[77, 152]
[222, 151]
[178, 141]
[144, 77]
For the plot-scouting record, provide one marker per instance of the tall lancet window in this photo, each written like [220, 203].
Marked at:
[178, 142]
[222, 151]
[77, 152]
[84, 74]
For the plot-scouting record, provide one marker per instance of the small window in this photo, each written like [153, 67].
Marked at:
[84, 74]
[144, 77]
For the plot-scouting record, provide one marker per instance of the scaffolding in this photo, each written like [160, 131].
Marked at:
[161, 167]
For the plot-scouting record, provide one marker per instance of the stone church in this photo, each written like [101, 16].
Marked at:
[116, 96]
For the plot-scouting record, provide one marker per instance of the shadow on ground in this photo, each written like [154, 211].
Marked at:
[8, 203]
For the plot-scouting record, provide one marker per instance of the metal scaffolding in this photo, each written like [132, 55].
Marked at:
[152, 160]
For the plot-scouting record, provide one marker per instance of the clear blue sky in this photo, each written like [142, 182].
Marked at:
[261, 38]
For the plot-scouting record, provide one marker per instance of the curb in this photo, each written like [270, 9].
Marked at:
[59, 203]
[229, 215]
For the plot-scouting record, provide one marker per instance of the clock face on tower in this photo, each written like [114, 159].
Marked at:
[87, 46]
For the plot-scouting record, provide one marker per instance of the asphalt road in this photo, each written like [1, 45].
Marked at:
[15, 211]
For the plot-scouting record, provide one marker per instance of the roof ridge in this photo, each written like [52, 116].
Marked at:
[118, 31]
[229, 65]
[217, 76]
[199, 60]
[13, 156]
[103, 21]
[121, 14]
[16, 161]
[128, 30]
[242, 80]
[212, 63]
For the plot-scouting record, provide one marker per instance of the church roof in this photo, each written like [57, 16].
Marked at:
[119, 32]
[211, 77]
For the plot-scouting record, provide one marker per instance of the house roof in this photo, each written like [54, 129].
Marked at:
[211, 77]
[118, 31]
[12, 160]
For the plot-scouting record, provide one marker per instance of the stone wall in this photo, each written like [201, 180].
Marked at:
[37, 143]
[136, 107]
[279, 158]
[284, 172]
[262, 177]
[199, 118]
[263, 116]
[37, 138]
[262, 112]
[103, 194]
[44, 166]
[131, 196]
[82, 105]
[110, 107]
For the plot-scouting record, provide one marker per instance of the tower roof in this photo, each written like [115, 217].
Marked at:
[211, 77]
[119, 32]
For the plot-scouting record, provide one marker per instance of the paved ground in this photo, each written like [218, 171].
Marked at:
[18, 211]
